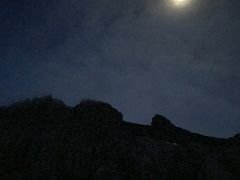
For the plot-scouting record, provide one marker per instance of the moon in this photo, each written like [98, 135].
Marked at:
[173, 7]
[180, 3]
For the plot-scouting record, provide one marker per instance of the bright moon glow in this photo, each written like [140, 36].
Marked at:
[180, 3]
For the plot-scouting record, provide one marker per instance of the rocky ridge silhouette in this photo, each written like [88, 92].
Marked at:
[42, 138]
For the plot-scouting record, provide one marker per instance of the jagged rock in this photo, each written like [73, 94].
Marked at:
[65, 143]
[45, 112]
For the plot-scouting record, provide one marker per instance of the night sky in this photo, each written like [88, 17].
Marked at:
[142, 56]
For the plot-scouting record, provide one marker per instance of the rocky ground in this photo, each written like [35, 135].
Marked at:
[42, 138]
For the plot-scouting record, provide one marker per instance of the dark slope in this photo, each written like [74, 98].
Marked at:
[42, 138]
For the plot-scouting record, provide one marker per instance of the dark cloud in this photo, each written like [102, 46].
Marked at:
[141, 56]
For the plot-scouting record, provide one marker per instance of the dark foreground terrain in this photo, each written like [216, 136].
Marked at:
[44, 139]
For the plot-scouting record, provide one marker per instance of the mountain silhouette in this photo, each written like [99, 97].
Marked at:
[42, 138]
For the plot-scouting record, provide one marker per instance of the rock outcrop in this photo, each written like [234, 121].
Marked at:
[43, 138]
[161, 122]
[97, 113]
